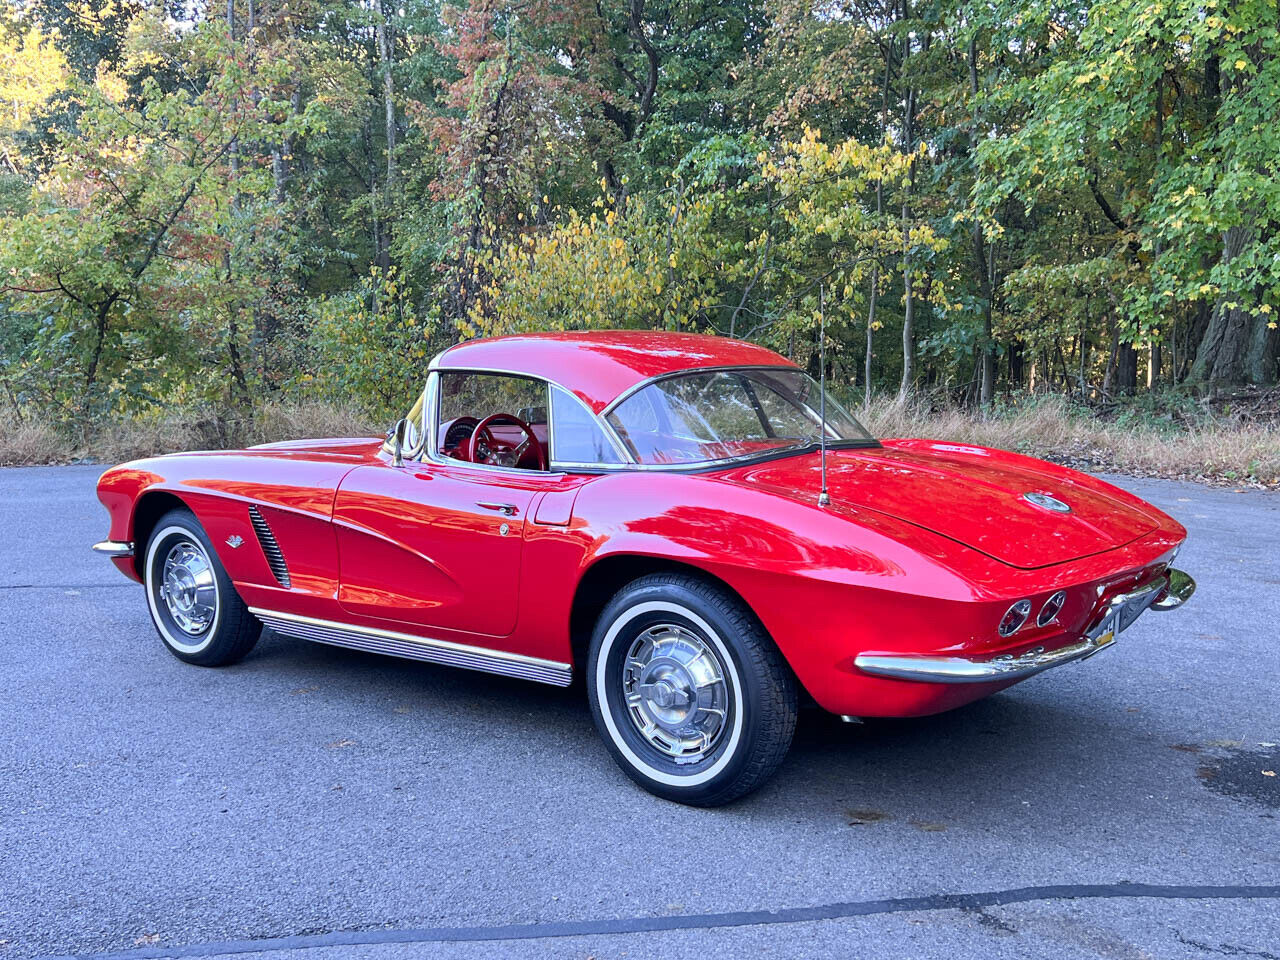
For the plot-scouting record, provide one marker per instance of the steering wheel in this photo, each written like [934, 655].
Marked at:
[483, 447]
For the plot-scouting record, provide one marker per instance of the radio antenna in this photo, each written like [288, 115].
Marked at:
[824, 498]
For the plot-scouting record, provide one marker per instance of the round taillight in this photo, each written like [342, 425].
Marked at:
[1052, 607]
[1014, 617]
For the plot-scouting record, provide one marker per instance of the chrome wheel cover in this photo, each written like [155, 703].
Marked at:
[674, 687]
[188, 589]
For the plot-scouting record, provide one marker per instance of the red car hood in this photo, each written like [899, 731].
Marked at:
[970, 494]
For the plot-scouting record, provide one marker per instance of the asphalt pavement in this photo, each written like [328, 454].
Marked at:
[328, 804]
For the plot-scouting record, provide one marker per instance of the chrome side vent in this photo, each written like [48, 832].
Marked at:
[270, 548]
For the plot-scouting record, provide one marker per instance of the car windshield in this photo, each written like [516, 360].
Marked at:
[701, 417]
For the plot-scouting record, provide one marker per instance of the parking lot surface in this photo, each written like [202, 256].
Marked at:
[322, 803]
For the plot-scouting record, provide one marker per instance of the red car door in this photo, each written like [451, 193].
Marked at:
[434, 544]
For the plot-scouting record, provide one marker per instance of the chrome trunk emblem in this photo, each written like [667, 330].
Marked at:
[234, 541]
[1046, 502]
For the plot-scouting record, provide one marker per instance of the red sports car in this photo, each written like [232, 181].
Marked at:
[647, 510]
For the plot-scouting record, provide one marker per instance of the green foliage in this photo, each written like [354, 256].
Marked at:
[1064, 196]
[375, 344]
[1162, 115]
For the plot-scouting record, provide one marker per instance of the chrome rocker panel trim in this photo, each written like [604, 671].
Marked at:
[412, 647]
[114, 548]
[1126, 608]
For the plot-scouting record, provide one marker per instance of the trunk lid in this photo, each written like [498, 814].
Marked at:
[969, 494]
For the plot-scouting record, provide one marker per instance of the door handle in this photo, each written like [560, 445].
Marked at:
[508, 508]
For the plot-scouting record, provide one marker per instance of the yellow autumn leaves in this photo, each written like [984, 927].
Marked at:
[684, 255]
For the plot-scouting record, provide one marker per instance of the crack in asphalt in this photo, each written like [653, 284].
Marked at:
[1227, 949]
[703, 921]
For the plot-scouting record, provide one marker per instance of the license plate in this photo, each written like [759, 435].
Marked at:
[1105, 632]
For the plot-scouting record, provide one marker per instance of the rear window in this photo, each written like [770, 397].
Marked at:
[729, 414]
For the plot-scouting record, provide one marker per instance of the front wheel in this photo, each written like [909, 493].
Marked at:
[194, 605]
[690, 694]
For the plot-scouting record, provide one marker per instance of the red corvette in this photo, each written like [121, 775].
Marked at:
[646, 509]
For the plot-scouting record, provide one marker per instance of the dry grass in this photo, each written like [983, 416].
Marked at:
[305, 421]
[1220, 450]
[22, 444]
[1215, 451]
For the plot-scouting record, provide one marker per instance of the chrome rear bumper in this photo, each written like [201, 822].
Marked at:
[1181, 587]
[114, 548]
[1163, 593]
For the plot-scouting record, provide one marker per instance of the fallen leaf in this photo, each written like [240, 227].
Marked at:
[858, 816]
[928, 827]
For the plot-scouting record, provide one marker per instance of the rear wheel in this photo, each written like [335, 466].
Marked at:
[195, 608]
[691, 696]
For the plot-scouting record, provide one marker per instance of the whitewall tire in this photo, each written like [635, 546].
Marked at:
[194, 606]
[690, 694]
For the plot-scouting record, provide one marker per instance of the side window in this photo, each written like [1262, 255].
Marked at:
[467, 399]
[576, 436]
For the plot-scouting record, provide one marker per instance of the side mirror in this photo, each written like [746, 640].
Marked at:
[399, 434]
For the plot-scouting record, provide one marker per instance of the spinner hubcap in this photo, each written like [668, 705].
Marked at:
[675, 691]
[188, 588]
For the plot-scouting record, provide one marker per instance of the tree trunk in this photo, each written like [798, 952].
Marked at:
[386, 56]
[1153, 348]
[1126, 368]
[1109, 373]
[909, 306]
[103, 319]
[908, 326]
[1262, 357]
[1084, 361]
[875, 247]
[983, 261]
[1237, 347]
[235, 141]
[1015, 363]
[871, 320]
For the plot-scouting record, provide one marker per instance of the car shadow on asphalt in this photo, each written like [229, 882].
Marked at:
[999, 753]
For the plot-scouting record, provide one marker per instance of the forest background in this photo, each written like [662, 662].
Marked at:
[1050, 226]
